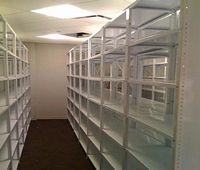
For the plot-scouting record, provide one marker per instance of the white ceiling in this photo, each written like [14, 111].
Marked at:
[28, 25]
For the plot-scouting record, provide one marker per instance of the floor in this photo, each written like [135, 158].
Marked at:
[52, 145]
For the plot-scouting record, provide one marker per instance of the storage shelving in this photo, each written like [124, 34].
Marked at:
[131, 78]
[15, 104]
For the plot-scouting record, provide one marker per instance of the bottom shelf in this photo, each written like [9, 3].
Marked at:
[95, 159]
[114, 159]
[146, 155]
[84, 145]
[15, 164]
[4, 165]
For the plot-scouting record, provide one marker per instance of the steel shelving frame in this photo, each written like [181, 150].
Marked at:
[125, 85]
[15, 98]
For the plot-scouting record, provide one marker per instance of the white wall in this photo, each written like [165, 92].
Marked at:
[48, 80]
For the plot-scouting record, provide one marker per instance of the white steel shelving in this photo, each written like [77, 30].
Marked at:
[129, 80]
[15, 107]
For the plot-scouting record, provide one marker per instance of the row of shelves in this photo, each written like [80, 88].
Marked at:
[10, 44]
[142, 109]
[106, 143]
[158, 43]
[13, 90]
[124, 80]
[15, 123]
[15, 96]
[12, 68]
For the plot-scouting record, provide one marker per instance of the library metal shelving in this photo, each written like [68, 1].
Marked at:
[15, 106]
[126, 84]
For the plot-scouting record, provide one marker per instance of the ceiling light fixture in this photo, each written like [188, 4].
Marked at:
[56, 37]
[64, 11]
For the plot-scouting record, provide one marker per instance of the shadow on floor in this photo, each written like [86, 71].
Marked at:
[52, 145]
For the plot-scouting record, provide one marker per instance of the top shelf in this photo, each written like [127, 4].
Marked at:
[10, 43]
[156, 4]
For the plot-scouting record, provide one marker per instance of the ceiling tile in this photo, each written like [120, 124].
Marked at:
[129, 1]
[8, 10]
[104, 6]
[63, 23]
[94, 21]
[28, 17]
[28, 4]
[73, 1]
[28, 27]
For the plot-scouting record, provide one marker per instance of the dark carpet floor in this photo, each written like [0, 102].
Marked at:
[52, 145]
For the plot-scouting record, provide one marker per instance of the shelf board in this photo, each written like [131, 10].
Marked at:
[159, 83]
[110, 79]
[115, 107]
[3, 109]
[84, 145]
[114, 160]
[116, 51]
[95, 140]
[84, 111]
[3, 139]
[95, 120]
[20, 132]
[14, 145]
[21, 146]
[94, 78]
[150, 40]
[114, 134]
[162, 127]
[84, 128]
[76, 133]
[12, 78]
[15, 164]
[2, 48]
[5, 164]
[84, 95]
[2, 78]
[95, 99]
[146, 156]
[95, 159]
[76, 119]
[76, 104]
[156, 5]
[12, 124]
[95, 56]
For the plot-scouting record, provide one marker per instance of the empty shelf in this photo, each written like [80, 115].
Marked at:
[3, 139]
[84, 111]
[14, 145]
[159, 83]
[95, 159]
[114, 160]
[95, 140]
[15, 164]
[163, 127]
[84, 145]
[95, 120]
[115, 135]
[146, 154]
[3, 109]
[4, 164]
[84, 128]
[115, 107]
[95, 99]
[12, 124]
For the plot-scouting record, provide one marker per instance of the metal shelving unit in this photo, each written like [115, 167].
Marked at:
[129, 87]
[15, 99]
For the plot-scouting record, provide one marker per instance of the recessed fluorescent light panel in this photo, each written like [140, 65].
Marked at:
[64, 11]
[56, 37]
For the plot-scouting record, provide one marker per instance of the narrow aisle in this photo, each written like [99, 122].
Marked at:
[52, 145]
